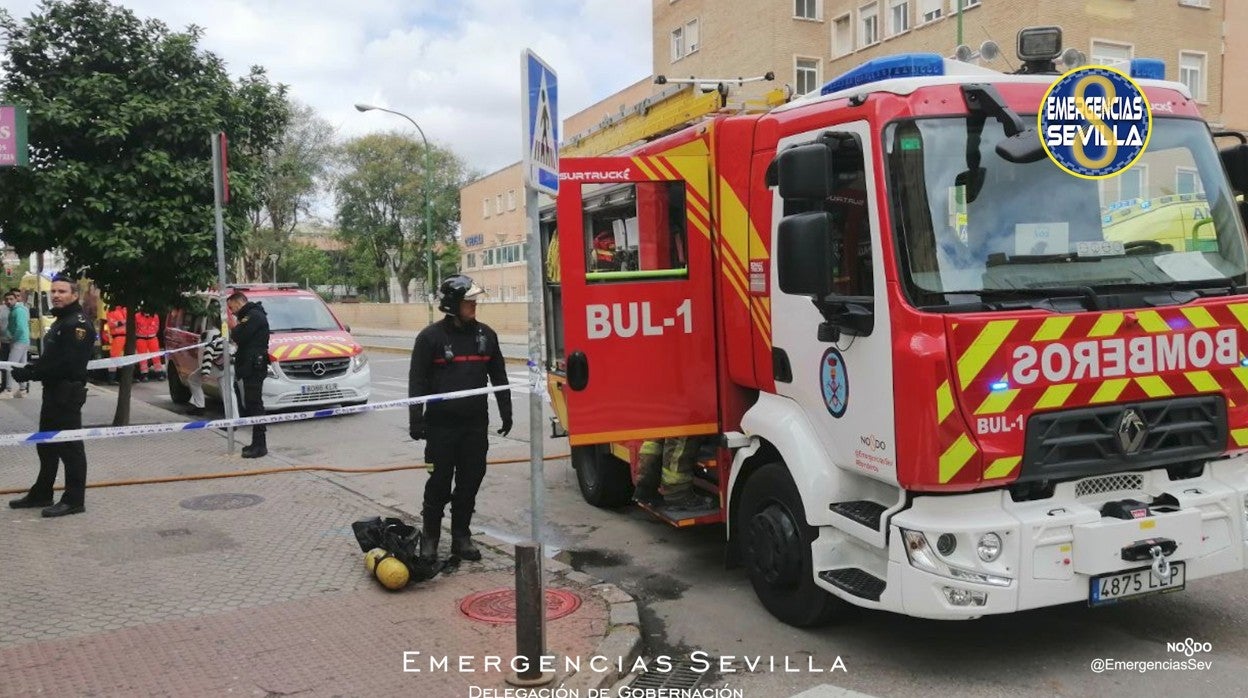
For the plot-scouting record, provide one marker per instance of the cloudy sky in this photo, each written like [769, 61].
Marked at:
[453, 66]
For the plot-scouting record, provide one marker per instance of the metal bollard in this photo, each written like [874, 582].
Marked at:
[530, 617]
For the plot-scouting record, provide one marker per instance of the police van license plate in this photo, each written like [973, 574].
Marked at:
[318, 388]
[1109, 588]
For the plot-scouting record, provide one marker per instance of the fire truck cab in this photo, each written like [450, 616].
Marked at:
[942, 377]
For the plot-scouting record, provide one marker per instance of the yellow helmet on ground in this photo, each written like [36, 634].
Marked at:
[392, 573]
[372, 556]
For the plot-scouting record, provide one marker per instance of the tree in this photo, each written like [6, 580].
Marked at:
[121, 114]
[381, 206]
[292, 173]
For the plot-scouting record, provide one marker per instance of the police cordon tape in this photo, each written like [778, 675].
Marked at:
[93, 433]
[96, 364]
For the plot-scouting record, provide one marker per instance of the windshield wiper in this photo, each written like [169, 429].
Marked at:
[1086, 293]
[1216, 286]
[997, 259]
[305, 329]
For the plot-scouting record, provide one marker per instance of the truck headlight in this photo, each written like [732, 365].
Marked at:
[272, 370]
[922, 556]
[989, 547]
[358, 362]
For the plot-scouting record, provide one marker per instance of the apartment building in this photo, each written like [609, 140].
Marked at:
[808, 42]
[493, 229]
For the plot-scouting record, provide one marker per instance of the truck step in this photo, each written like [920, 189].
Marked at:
[862, 511]
[858, 582]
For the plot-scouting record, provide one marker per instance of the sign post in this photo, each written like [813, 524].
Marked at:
[540, 126]
[221, 191]
[13, 132]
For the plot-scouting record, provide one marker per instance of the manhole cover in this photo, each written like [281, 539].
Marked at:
[218, 502]
[499, 606]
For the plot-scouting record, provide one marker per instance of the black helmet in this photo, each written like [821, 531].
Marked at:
[456, 289]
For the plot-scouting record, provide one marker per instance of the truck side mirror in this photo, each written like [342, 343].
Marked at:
[806, 172]
[808, 251]
[1235, 160]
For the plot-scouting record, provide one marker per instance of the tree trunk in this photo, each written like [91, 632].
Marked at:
[125, 376]
[403, 290]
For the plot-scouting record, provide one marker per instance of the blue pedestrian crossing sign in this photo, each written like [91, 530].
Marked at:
[541, 124]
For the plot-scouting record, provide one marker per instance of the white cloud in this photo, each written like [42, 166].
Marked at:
[453, 67]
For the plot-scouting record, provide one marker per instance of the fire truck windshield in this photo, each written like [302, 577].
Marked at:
[972, 225]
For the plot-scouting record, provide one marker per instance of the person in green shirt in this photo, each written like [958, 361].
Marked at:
[19, 340]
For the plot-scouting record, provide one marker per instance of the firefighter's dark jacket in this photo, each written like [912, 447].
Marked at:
[449, 356]
[251, 334]
[66, 349]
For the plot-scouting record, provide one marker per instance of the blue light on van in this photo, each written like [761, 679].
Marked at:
[1148, 68]
[999, 386]
[1243, 362]
[905, 65]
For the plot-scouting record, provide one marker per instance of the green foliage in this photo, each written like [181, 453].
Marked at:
[381, 205]
[304, 263]
[121, 115]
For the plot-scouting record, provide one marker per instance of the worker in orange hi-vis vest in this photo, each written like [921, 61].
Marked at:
[147, 328]
[115, 326]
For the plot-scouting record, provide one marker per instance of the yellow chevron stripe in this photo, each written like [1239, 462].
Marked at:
[762, 309]
[1240, 436]
[279, 352]
[1200, 317]
[296, 351]
[1110, 390]
[944, 402]
[1155, 386]
[955, 458]
[1240, 311]
[1242, 374]
[1052, 328]
[1002, 467]
[1106, 325]
[647, 168]
[1151, 321]
[1055, 396]
[998, 402]
[1203, 381]
[981, 350]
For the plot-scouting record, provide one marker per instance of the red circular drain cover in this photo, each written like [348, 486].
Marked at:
[499, 606]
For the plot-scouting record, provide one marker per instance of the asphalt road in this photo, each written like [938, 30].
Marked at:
[691, 603]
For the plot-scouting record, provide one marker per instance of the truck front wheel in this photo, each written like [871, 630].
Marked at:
[776, 548]
[178, 392]
[604, 479]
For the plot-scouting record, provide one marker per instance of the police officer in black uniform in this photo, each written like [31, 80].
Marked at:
[455, 353]
[251, 365]
[62, 368]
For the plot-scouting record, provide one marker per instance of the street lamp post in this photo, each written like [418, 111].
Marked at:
[428, 216]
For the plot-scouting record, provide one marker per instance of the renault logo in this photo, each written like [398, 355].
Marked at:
[1131, 432]
[318, 368]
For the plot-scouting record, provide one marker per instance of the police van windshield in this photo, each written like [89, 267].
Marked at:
[297, 314]
[972, 226]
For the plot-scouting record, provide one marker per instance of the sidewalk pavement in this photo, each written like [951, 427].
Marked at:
[246, 585]
[515, 346]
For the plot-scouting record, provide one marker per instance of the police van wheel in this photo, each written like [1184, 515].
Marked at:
[179, 393]
[603, 478]
[776, 549]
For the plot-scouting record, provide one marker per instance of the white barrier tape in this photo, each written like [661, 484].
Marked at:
[120, 361]
[93, 433]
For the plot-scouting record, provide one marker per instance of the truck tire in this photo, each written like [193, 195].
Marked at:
[775, 544]
[179, 393]
[604, 479]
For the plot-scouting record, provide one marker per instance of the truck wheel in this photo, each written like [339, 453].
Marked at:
[603, 478]
[179, 393]
[776, 548]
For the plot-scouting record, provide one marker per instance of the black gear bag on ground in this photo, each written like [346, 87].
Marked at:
[400, 540]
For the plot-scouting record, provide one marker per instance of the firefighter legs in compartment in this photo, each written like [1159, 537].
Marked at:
[669, 462]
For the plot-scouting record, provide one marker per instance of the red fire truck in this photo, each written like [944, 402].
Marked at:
[912, 409]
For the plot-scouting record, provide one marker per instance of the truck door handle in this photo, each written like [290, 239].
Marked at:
[578, 370]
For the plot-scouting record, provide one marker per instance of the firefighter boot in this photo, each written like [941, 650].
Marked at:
[463, 547]
[429, 538]
[647, 488]
[259, 443]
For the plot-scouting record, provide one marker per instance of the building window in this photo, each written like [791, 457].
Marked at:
[842, 36]
[685, 40]
[1195, 3]
[485, 207]
[498, 203]
[1192, 73]
[898, 17]
[806, 9]
[471, 262]
[1110, 53]
[966, 4]
[1187, 181]
[1134, 183]
[868, 25]
[806, 75]
[511, 199]
[931, 9]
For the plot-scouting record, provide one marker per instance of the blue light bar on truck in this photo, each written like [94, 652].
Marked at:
[905, 65]
[1148, 68]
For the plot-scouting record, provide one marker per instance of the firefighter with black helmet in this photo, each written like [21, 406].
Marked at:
[455, 353]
